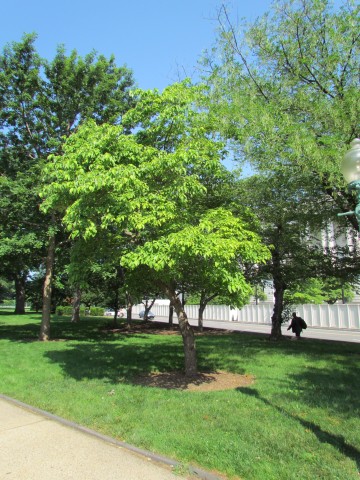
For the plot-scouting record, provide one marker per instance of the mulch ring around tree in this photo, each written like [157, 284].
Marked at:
[157, 328]
[202, 382]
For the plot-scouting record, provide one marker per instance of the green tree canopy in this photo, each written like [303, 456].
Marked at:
[148, 191]
[286, 89]
[290, 211]
[41, 103]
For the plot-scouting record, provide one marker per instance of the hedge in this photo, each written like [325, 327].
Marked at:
[68, 310]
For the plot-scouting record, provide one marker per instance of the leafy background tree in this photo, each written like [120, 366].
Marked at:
[286, 89]
[42, 102]
[289, 209]
[6, 290]
[318, 291]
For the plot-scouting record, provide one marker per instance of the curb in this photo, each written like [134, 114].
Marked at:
[201, 474]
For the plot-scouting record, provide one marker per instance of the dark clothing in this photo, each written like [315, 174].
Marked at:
[296, 325]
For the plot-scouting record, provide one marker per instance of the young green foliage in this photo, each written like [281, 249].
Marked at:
[146, 190]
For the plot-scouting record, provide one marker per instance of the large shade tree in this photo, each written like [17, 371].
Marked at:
[41, 103]
[286, 89]
[148, 191]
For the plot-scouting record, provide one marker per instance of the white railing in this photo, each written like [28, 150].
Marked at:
[322, 316]
[331, 316]
[212, 312]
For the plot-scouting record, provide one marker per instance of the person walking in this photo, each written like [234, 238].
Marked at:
[297, 325]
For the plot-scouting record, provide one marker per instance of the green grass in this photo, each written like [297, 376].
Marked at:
[299, 420]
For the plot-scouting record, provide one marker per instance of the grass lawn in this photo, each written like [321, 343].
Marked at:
[298, 420]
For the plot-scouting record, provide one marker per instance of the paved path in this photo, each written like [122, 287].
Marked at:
[338, 335]
[35, 445]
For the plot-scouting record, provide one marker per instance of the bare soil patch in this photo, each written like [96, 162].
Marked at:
[203, 382]
[158, 328]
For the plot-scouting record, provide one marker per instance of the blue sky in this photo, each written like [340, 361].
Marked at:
[160, 40]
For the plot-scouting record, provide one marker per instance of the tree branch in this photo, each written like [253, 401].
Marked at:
[236, 49]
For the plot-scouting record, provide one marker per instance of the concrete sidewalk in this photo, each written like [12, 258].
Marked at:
[35, 445]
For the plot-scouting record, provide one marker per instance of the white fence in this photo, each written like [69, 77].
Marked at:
[321, 316]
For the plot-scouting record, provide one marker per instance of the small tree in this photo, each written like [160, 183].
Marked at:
[145, 191]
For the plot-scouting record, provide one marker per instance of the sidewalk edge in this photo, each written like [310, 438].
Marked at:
[201, 474]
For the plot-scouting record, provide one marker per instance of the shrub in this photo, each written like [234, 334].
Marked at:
[66, 310]
[96, 311]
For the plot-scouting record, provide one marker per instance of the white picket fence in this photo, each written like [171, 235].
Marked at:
[321, 316]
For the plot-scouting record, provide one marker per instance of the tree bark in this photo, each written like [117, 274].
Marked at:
[171, 315]
[276, 319]
[201, 316]
[76, 306]
[187, 332]
[116, 306]
[129, 305]
[20, 280]
[188, 338]
[148, 308]
[279, 289]
[46, 310]
[204, 300]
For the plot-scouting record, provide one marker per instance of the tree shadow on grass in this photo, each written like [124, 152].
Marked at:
[225, 351]
[19, 333]
[61, 328]
[228, 352]
[336, 441]
[336, 388]
[117, 362]
[122, 355]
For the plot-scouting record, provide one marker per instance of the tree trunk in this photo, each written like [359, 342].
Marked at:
[116, 309]
[279, 289]
[188, 337]
[129, 305]
[20, 280]
[201, 316]
[276, 319]
[204, 300]
[46, 310]
[187, 332]
[171, 315]
[76, 306]
[189, 348]
[148, 308]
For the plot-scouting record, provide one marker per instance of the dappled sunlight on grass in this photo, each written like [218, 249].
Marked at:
[117, 361]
